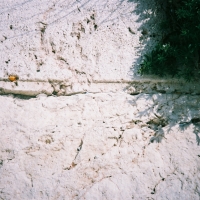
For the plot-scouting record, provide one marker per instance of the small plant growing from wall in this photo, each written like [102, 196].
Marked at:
[178, 52]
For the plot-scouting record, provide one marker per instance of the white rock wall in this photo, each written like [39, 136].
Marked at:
[68, 47]
[59, 39]
[75, 43]
[84, 136]
[100, 146]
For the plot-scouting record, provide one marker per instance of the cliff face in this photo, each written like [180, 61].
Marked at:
[100, 146]
[76, 120]
[65, 46]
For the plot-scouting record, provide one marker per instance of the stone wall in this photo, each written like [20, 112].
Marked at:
[100, 146]
[77, 122]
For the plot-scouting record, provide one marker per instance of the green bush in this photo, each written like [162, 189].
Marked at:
[178, 52]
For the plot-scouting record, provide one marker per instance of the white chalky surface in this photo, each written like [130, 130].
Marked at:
[73, 40]
[83, 136]
[100, 146]
[76, 46]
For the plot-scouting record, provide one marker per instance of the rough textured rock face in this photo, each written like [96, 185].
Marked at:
[66, 46]
[76, 121]
[54, 40]
[100, 146]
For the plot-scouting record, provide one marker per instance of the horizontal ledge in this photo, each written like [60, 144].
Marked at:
[25, 88]
[64, 88]
[128, 81]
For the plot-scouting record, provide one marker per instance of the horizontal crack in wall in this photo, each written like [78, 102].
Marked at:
[65, 88]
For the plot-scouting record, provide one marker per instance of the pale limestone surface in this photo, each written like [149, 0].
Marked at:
[78, 46]
[72, 44]
[100, 146]
[84, 136]
[57, 40]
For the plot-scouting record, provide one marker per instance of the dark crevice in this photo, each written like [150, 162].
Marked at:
[25, 97]
[19, 96]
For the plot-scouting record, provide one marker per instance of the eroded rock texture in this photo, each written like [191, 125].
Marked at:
[65, 46]
[100, 146]
[76, 120]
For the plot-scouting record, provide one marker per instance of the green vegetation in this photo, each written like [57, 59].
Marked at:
[178, 52]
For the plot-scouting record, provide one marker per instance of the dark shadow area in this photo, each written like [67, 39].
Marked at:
[177, 52]
[167, 112]
[150, 14]
[24, 97]
[19, 96]
[196, 130]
